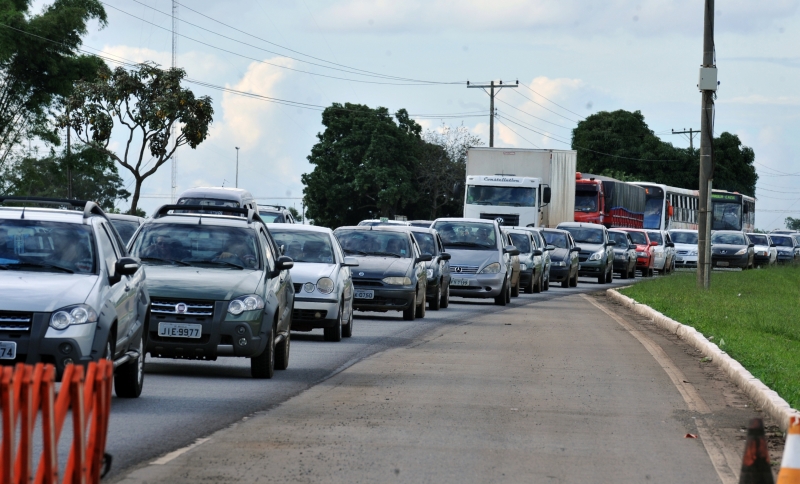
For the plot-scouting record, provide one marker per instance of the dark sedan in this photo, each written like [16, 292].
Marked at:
[564, 256]
[624, 254]
[391, 274]
[730, 248]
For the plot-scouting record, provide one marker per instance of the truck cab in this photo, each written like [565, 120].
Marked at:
[511, 200]
[609, 202]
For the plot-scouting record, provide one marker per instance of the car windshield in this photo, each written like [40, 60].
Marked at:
[727, 238]
[556, 239]
[303, 246]
[638, 238]
[201, 245]
[782, 241]
[501, 196]
[521, 242]
[125, 228]
[656, 236]
[758, 239]
[376, 243]
[272, 217]
[427, 245]
[422, 223]
[31, 245]
[467, 235]
[585, 235]
[620, 239]
[689, 238]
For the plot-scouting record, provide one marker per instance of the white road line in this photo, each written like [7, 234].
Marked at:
[177, 453]
[724, 461]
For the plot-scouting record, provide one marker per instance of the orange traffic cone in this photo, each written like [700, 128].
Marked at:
[790, 465]
[755, 464]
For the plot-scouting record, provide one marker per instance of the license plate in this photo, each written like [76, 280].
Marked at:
[364, 294]
[722, 263]
[179, 330]
[459, 282]
[8, 350]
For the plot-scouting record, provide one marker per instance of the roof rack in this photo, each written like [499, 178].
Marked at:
[249, 213]
[89, 207]
[280, 207]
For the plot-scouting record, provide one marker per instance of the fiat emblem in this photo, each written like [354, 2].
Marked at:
[361, 274]
[180, 308]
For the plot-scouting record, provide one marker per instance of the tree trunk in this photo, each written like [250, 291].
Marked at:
[136, 191]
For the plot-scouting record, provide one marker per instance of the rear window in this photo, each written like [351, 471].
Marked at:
[620, 239]
[638, 238]
[521, 242]
[657, 237]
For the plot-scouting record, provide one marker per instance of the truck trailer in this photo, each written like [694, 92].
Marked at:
[606, 201]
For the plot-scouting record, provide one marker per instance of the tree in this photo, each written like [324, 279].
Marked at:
[297, 215]
[39, 62]
[143, 104]
[364, 165]
[792, 223]
[94, 177]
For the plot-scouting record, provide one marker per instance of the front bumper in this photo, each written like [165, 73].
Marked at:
[740, 261]
[559, 273]
[480, 285]
[592, 268]
[386, 298]
[311, 313]
[685, 260]
[643, 262]
[785, 257]
[526, 278]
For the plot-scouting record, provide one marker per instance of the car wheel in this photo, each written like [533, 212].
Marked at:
[446, 297]
[436, 303]
[347, 329]
[610, 275]
[515, 290]
[508, 292]
[633, 272]
[263, 365]
[547, 282]
[334, 333]
[574, 281]
[129, 377]
[282, 352]
[501, 299]
[537, 288]
[421, 307]
[411, 311]
[601, 279]
[624, 274]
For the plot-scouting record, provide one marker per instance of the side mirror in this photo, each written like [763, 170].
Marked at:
[350, 262]
[284, 263]
[550, 247]
[126, 266]
[546, 195]
[670, 244]
[653, 243]
[772, 245]
[445, 256]
[611, 243]
[537, 252]
[751, 245]
[510, 250]
[575, 249]
[632, 246]
[425, 258]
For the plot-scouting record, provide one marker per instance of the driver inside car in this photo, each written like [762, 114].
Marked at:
[239, 250]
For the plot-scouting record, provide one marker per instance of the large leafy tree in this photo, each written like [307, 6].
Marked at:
[620, 142]
[141, 105]
[364, 165]
[792, 223]
[39, 62]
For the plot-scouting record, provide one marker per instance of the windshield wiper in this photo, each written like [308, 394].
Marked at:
[168, 261]
[213, 262]
[468, 244]
[390, 254]
[36, 264]
[359, 252]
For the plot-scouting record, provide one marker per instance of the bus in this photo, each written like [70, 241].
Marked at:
[732, 211]
[669, 208]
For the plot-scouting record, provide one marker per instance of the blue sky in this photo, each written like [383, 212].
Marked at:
[587, 56]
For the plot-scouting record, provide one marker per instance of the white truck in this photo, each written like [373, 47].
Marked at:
[521, 187]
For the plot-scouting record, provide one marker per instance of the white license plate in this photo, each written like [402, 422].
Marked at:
[459, 282]
[722, 263]
[179, 330]
[8, 350]
[364, 294]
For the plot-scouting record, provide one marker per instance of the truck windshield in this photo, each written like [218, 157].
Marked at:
[585, 201]
[501, 196]
[31, 245]
[467, 235]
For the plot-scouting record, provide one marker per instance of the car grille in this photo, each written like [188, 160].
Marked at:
[13, 321]
[463, 269]
[683, 252]
[367, 283]
[583, 256]
[509, 219]
[297, 287]
[193, 308]
[308, 315]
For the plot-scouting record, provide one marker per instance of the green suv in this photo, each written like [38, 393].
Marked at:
[218, 286]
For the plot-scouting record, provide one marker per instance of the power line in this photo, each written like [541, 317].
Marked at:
[526, 139]
[531, 115]
[562, 107]
[544, 107]
[522, 123]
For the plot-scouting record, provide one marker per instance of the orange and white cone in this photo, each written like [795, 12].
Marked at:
[790, 464]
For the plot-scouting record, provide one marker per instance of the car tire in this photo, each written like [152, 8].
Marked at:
[547, 282]
[446, 297]
[129, 377]
[601, 279]
[515, 290]
[508, 292]
[263, 365]
[436, 303]
[574, 281]
[624, 274]
[347, 329]
[334, 333]
[565, 282]
[420, 311]
[610, 275]
[282, 352]
[537, 288]
[501, 299]
[411, 311]
[632, 274]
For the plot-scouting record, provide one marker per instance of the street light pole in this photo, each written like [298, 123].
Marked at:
[237, 167]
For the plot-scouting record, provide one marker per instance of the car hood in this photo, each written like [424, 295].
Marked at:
[476, 258]
[559, 254]
[380, 267]
[726, 249]
[685, 247]
[310, 271]
[200, 282]
[586, 247]
[785, 249]
[43, 291]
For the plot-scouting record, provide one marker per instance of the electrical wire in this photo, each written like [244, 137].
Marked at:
[531, 115]
[543, 107]
[562, 107]
[523, 123]
[526, 139]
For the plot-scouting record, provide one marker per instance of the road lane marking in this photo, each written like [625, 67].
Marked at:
[177, 453]
[725, 462]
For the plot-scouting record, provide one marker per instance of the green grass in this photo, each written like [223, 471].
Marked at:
[756, 313]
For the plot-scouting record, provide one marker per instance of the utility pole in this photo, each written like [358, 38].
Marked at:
[492, 86]
[237, 167]
[708, 86]
[174, 65]
[691, 133]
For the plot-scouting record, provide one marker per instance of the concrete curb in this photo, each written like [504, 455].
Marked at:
[769, 400]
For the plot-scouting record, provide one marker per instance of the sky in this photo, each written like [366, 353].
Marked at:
[572, 58]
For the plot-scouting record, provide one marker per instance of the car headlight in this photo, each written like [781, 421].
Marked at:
[642, 254]
[325, 285]
[596, 256]
[429, 273]
[249, 302]
[741, 252]
[559, 263]
[397, 281]
[309, 287]
[692, 252]
[763, 252]
[492, 268]
[78, 314]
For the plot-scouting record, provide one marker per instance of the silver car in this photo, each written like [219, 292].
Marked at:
[323, 284]
[685, 247]
[69, 293]
[664, 252]
[531, 262]
[546, 257]
[480, 264]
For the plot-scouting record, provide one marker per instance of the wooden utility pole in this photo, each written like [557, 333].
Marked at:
[492, 86]
[708, 86]
[691, 133]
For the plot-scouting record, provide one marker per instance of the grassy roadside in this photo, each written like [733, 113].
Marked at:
[752, 315]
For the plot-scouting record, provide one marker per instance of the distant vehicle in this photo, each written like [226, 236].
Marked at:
[731, 248]
[421, 223]
[276, 214]
[218, 197]
[323, 283]
[379, 222]
[481, 261]
[685, 247]
[732, 211]
[391, 273]
[545, 258]
[765, 252]
[785, 232]
[668, 208]
[520, 187]
[69, 291]
[645, 258]
[624, 254]
[597, 253]
[125, 225]
[515, 267]
[788, 249]
[437, 269]
[606, 201]
[531, 263]
[219, 286]
[664, 252]
[565, 265]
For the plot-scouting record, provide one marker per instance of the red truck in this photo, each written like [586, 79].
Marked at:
[606, 201]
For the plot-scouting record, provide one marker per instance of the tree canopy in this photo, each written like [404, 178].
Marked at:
[792, 223]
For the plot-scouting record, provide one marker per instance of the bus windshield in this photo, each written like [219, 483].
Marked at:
[652, 213]
[501, 196]
[727, 216]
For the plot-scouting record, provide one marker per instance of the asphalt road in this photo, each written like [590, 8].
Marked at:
[186, 400]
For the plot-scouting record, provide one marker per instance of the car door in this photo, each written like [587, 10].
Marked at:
[573, 255]
[344, 279]
[119, 295]
[444, 265]
[277, 283]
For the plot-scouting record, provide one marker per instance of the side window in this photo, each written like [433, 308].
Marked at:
[107, 251]
[121, 249]
[268, 251]
[439, 244]
[337, 249]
